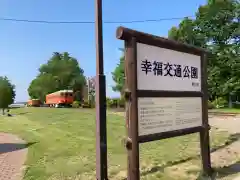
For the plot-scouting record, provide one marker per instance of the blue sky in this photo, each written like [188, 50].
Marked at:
[25, 46]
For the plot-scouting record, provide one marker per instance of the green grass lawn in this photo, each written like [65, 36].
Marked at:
[65, 145]
[225, 110]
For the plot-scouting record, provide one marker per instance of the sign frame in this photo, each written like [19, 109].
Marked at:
[131, 38]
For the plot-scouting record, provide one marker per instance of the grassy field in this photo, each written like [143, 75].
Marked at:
[226, 110]
[65, 145]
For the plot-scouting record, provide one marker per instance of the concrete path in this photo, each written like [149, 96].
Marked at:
[231, 152]
[237, 178]
[228, 123]
[13, 153]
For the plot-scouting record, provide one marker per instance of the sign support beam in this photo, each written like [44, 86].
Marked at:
[204, 134]
[133, 151]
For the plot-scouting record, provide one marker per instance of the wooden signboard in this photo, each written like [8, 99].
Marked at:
[166, 92]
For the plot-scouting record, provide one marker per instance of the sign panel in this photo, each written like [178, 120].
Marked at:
[166, 85]
[156, 115]
[167, 70]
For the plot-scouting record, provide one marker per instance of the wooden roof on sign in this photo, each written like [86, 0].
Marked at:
[145, 38]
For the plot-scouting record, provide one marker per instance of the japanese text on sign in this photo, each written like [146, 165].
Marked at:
[158, 115]
[167, 69]
[164, 69]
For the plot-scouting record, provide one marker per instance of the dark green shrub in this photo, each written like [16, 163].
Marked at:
[93, 105]
[112, 103]
[76, 104]
[236, 105]
[121, 102]
[108, 102]
[86, 104]
[210, 105]
[115, 102]
[219, 102]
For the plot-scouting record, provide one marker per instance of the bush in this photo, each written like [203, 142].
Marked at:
[121, 103]
[235, 105]
[76, 104]
[86, 104]
[112, 103]
[210, 105]
[115, 102]
[219, 102]
[93, 105]
[108, 102]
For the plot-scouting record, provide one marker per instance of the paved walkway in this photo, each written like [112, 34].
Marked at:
[13, 153]
[231, 152]
[230, 123]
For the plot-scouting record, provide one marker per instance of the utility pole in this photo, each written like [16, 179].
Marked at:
[101, 126]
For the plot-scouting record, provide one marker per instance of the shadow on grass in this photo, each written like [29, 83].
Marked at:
[233, 138]
[22, 113]
[227, 170]
[10, 147]
[11, 115]
[221, 172]
[15, 107]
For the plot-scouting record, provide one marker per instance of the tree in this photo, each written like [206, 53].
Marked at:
[7, 93]
[61, 72]
[42, 85]
[216, 28]
[118, 76]
[187, 32]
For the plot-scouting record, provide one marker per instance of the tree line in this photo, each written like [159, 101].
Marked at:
[217, 29]
[60, 72]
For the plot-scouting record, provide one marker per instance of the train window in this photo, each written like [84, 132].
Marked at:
[68, 94]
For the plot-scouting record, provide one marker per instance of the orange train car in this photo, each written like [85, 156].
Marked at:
[34, 102]
[62, 97]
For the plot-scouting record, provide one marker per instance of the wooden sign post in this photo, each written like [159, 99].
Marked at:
[101, 119]
[166, 93]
